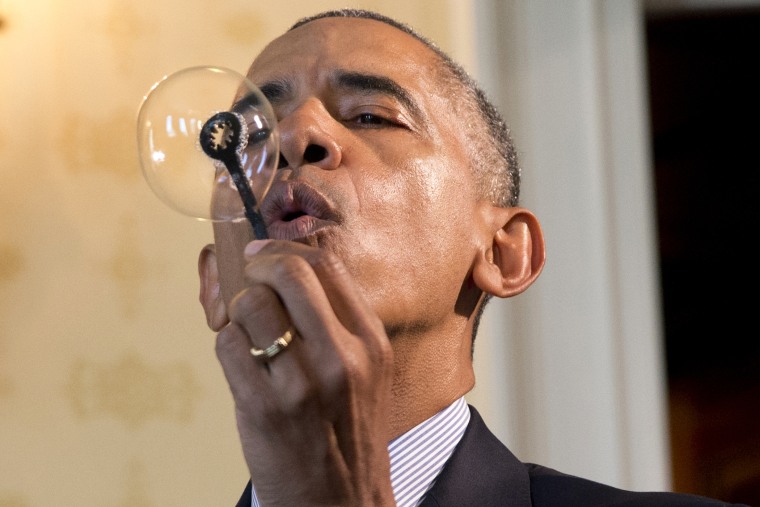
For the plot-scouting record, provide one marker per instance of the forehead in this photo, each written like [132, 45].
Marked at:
[313, 50]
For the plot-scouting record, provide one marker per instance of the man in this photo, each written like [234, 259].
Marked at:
[393, 219]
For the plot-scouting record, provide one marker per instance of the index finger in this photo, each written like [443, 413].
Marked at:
[295, 270]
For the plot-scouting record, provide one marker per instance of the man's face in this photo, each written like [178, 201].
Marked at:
[377, 166]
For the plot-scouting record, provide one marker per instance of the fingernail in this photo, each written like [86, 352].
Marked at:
[254, 246]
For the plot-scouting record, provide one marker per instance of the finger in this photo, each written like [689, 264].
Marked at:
[345, 346]
[266, 392]
[259, 311]
[296, 271]
[343, 338]
[242, 374]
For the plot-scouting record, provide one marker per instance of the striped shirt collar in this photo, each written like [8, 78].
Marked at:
[418, 456]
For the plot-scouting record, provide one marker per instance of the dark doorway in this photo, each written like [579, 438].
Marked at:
[705, 104]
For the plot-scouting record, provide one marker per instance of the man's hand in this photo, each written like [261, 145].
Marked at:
[313, 420]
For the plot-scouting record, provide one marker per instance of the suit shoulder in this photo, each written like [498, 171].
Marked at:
[550, 488]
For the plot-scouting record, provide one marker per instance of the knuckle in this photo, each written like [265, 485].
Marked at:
[384, 353]
[300, 402]
[337, 378]
[225, 342]
[379, 346]
[294, 402]
[247, 301]
[292, 270]
[328, 263]
[264, 415]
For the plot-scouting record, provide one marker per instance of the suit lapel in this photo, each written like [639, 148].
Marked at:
[482, 472]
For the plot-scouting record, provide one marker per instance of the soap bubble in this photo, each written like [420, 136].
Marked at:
[206, 137]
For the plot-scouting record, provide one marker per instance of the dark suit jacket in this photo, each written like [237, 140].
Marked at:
[482, 472]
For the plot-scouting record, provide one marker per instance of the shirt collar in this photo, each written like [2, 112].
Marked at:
[419, 455]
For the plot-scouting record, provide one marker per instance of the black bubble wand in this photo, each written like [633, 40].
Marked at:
[224, 137]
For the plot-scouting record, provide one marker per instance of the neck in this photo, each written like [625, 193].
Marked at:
[431, 370]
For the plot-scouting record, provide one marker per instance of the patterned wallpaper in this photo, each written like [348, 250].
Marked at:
[110, 394]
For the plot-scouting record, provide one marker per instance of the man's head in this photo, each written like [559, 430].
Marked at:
[393, 160]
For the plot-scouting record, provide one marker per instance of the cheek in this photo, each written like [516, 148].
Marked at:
[416, 193]
[417, 217]
[439, 188]
[409, 226]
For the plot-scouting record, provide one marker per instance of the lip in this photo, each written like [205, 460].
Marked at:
[295, 210]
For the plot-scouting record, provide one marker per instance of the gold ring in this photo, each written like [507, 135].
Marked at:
[276, 347]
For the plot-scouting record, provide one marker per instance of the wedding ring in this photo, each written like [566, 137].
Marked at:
[276, 347]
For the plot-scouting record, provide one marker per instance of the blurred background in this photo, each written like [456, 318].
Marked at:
[630, 362]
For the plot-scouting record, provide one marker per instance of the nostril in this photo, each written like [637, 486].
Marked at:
[314, 153]
[282, 162]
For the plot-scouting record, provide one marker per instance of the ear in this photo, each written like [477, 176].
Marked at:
[211, 293]
[514, 255]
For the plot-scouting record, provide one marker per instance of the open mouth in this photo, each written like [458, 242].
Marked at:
[288, 217]
[294, 210]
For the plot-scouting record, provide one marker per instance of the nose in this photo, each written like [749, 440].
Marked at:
[307, 136]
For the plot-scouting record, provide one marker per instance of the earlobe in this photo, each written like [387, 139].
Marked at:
[210, 289]
[515, 256]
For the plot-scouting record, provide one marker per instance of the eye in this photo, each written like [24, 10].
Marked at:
[371, 119]
[371, 115]
[256, 136]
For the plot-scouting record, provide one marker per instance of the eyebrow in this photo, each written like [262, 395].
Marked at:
[274, 91]
[280, 90]
[368, 84]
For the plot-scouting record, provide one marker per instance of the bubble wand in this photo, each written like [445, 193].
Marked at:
[223, 137]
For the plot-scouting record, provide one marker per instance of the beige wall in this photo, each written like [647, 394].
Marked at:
[110, 394]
